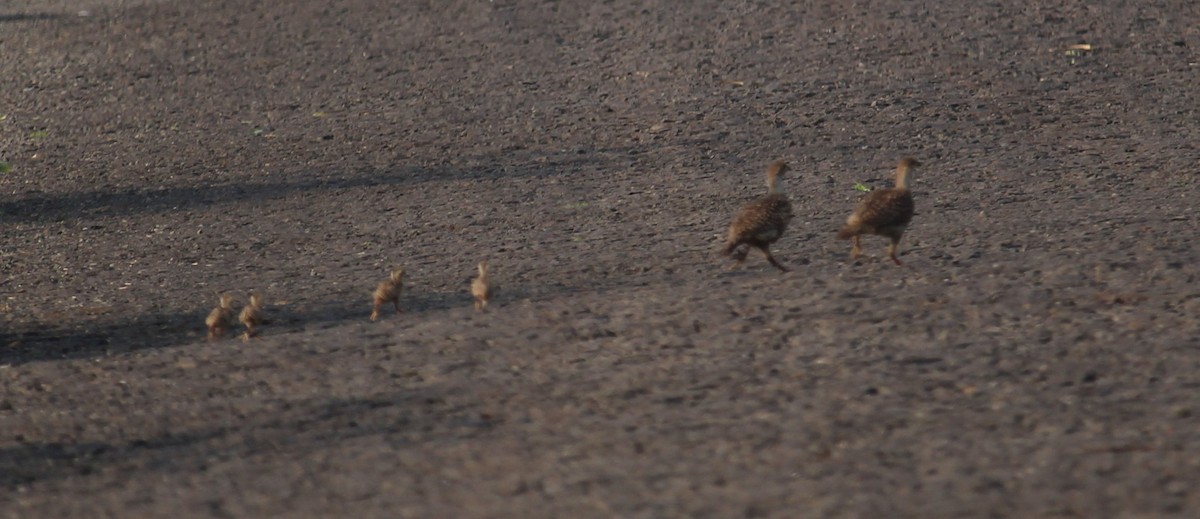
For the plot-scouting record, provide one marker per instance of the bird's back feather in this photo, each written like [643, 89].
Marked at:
[761, 221]
[880, 210]
[480, 288]
[218, 317]
[251, 316]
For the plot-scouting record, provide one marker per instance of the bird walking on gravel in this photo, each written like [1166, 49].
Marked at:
[252, 315]
[388, 291]
[481, 288]
[220, 318]
[761, 222]
[883, 212]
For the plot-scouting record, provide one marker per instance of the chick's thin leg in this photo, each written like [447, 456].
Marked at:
[739, 256]
[766, 249]
[856, 249]
[375, 311]
[891, 250]
[396, 303]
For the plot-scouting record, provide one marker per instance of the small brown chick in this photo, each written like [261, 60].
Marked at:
[761, 222]
[252, 315]
[883, 212]
[388, 291]
[481, 289]
[220, 318]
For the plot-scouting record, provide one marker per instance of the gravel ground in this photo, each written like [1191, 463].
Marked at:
[1036, 356]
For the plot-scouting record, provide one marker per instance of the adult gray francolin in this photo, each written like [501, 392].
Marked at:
[761, 222]
[883, 212]
[388, 291]
[220, 318]
[252, 315]
[481, 288]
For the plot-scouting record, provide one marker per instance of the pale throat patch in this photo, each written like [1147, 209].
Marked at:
[774, 186]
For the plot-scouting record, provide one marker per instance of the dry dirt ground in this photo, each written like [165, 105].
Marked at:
[1037, 356]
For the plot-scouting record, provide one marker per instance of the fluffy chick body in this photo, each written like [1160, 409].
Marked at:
[481, 288]
[388, 291]
[220, 318]
[252, 315]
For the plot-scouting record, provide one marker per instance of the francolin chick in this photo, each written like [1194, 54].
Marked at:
[388, 291]
[761, 222]
[220, 318]
[481, 289]
[252, 315]
[883, 212]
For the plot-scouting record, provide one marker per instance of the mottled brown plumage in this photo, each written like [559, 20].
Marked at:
[883, 212]
[252, 315]
[220, 318]
[481, 288]
[388, 291]
[761, 222]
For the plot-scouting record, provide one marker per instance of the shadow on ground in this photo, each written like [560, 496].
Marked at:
[25, 17]
[34, 342]
[42, 208]
[413, 416]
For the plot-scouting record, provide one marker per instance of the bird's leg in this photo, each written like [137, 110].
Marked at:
[739, 256]
[856, 249]
[397, 305]
[767, 251]
[891, 250]
[375, 312]
[478, 305]
[741, 253]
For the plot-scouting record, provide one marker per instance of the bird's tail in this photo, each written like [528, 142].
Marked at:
[847, 232]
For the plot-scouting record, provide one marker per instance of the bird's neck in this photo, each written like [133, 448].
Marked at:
[774, 186]
[902, 177]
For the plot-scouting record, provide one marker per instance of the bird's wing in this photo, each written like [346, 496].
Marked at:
[762, 215]
[886, 207]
